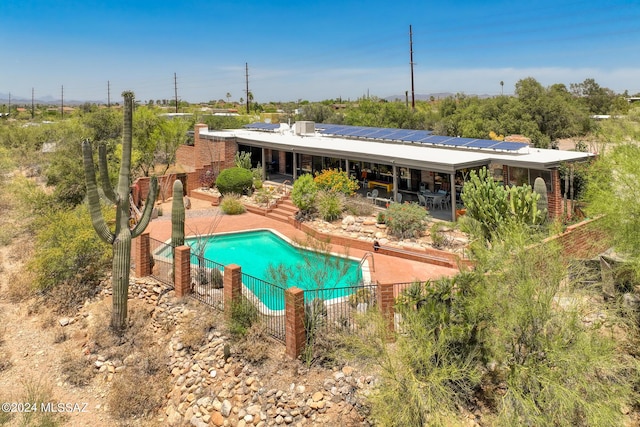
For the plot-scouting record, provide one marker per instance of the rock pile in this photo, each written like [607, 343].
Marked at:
[212, 387]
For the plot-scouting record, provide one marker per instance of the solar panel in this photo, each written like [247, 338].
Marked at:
[412, 135]
[509, 146]
[482, 143]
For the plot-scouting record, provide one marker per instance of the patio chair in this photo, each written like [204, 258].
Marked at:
[372, 195]
[436, 201]
[422, 201]
[399, 197]
[446, 203]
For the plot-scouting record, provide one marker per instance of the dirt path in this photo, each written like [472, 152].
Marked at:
[34, 375]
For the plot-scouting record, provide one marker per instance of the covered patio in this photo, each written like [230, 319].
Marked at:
[413, 169]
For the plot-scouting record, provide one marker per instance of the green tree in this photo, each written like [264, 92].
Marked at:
[145, 140]
[612, 190]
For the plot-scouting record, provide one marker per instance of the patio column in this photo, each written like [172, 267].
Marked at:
[452, 195]
[395, 182]
[295, 166]
[264, 164]
[346, 166]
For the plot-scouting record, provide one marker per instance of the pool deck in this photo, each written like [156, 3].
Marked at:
[200, 219]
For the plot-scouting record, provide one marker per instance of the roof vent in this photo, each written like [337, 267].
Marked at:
[305, 128]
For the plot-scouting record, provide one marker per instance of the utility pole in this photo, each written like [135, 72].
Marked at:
[175, 89]
[32, 106]
[413, 95]
[108, 94]
[246, 77]
[62, 101]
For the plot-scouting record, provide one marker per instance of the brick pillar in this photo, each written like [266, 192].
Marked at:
[386, 301]
[182, 270]
[295, 336]
[232, 287]
[197, 145]
[554, 198]
[142, 255]
[282, 162]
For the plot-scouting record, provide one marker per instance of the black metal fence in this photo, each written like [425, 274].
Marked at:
[268, 298]
[161, 261]
[336, 309]
[206, 281]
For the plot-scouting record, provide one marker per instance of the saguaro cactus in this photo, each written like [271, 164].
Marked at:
[177, 215]
[540, 187]
[120, 239]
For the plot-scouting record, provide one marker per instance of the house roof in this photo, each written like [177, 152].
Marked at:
[438, 158]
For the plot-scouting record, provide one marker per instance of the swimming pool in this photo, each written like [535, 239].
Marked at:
[265, 255]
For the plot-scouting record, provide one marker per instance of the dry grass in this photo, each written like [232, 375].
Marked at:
[140, 389]
[5, 355]
[20, 286]
[196, 327]
[256, 345]
[76, 369]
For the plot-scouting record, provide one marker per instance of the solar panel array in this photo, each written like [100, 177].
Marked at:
[425, 137]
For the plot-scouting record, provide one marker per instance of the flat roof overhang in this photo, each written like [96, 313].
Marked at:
[416, 156]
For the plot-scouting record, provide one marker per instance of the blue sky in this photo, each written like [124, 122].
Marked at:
[311, 50]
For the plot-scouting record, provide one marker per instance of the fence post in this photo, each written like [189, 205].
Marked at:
[142, 255]
[386, 301]
[182, 270]
[295, 336]
[232, 287]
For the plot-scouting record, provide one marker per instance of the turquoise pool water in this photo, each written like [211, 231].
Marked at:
[264, 255]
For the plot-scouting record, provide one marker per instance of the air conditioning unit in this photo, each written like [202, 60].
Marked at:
[305, 128]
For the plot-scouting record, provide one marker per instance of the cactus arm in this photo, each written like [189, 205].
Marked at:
[93, 198]
[104, 175]
[125, 165]
[148, 208]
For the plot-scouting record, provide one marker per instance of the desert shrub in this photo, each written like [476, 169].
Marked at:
[381, 218]
[209, 276]
[330, 205]
[256, 345]
[20, 286]
[304, 192]
[234, 180]
[136, 393]
[497, 336]
[257, 184]
[264, 195]
[207, 178]
[336, 181]
[232, 205]
[76, 369]
[439, 236]
[69, 259]
[405, 220]
[358, 205]
[243, 315]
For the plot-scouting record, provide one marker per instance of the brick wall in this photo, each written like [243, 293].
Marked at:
[584, 240]
[185, 157]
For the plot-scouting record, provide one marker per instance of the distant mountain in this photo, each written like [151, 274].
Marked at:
[47, 100]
